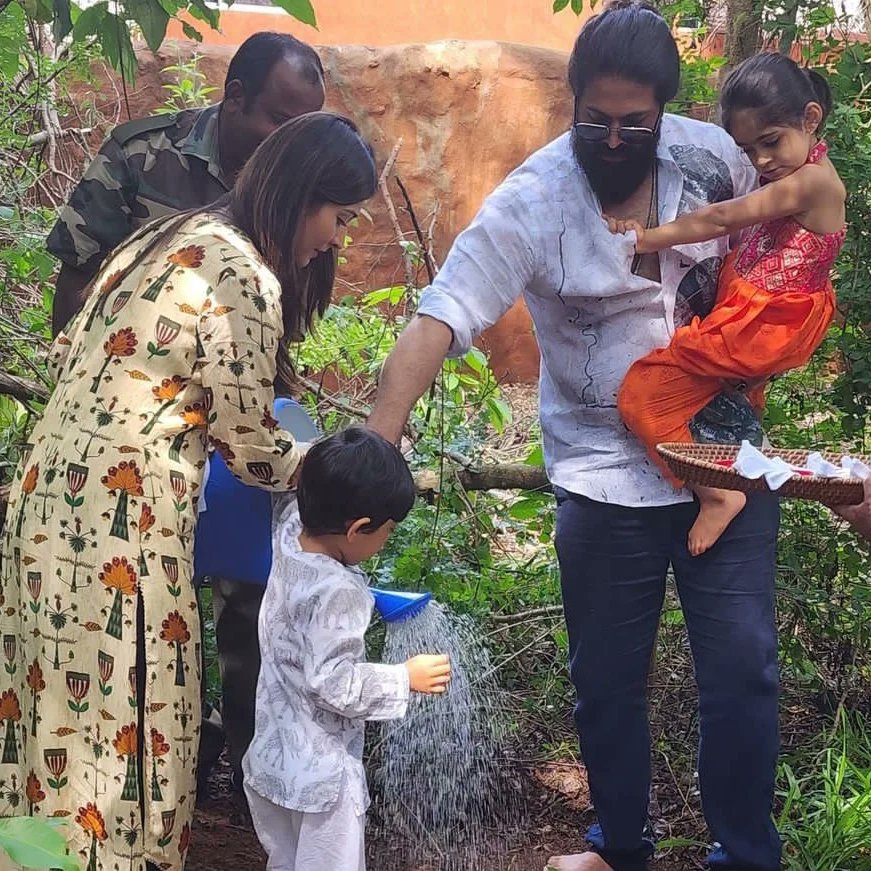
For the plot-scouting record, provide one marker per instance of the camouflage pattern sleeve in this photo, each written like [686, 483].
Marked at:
[99, 213]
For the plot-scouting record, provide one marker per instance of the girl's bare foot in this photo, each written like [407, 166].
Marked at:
[718, 509]
[578, 862]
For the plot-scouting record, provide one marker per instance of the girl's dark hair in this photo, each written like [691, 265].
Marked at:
[631, 40]
[777, 85]
[309, 161]
[352, 474]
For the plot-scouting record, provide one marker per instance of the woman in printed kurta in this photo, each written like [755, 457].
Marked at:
[176, 349]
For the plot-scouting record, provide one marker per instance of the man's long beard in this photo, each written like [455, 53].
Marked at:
[614, 182]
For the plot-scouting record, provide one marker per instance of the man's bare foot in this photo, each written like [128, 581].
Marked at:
[578, 862]
[718, 509]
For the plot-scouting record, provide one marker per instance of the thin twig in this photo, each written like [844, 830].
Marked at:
[532, 613]
[428, 260]
[335, 401]
[502, 663]
[391, 213]
[43, 136]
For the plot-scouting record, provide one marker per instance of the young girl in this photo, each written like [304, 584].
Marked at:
[303, 772]
[774, 298]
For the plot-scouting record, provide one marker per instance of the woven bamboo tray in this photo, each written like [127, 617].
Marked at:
[710, 466]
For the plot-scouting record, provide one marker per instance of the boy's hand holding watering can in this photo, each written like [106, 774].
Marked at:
[429, 673]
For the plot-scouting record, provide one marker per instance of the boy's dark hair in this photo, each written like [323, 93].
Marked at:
[629, 39]
[352, 474]
[776, 85]
[256, 57]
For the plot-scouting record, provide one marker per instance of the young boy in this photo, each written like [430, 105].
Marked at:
[304, 775]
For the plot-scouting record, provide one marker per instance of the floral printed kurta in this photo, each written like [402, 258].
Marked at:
[178, 352]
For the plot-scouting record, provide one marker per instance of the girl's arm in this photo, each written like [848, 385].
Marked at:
[789, 196]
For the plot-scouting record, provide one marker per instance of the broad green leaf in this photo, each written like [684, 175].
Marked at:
[63, 22]
[476, 360]
[91, 21]
[559, 5]
[301, 10]
[200, 11]
[35, 844]
[117, 47]
[10, 57]
[191, 32]
[499, 412]
[536, 456]
[151, 17]
[393, 295]
[529, 507]
[12, 37]
[42, 11]
[577, 6]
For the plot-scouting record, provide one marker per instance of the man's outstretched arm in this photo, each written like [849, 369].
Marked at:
[407, 374]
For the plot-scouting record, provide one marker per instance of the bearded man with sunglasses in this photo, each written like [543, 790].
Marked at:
[597, 308]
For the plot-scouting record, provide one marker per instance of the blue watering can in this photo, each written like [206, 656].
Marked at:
[234, 532]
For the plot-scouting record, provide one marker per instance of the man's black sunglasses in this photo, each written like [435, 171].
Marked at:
[600, 132]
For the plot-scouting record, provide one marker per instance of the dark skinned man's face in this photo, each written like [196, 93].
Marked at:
[247, 121]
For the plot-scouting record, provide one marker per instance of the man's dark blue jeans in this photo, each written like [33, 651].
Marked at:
[613, 564]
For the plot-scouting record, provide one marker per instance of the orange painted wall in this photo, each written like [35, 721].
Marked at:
[396, 22]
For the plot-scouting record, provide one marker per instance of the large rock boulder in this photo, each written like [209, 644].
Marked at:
[467, 114]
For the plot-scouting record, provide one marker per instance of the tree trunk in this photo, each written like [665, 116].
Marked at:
[743, 32]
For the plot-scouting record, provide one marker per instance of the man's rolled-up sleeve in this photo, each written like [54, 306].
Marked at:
[488, 267]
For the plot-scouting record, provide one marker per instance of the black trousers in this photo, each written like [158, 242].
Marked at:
[613, 564]
[237, 608]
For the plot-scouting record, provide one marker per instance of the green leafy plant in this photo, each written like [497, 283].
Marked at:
[826, 815]
[35, 843]
[189, 90]
[110, 26]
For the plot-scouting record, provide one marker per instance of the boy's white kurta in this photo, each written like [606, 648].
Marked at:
[315, 688]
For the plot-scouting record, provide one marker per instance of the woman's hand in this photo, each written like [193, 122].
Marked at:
[620, 228]
[303, 448]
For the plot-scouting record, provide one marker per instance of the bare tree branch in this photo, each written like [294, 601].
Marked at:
[391, 213]
[504, 476]
[22, 389]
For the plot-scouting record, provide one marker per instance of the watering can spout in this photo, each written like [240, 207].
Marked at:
[394, 605]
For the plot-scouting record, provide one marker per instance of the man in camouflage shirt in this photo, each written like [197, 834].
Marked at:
[151, 167]
[156, 166]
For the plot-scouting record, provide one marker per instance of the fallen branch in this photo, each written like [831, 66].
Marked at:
[22, 389]
[507, 476]
[531, 614]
